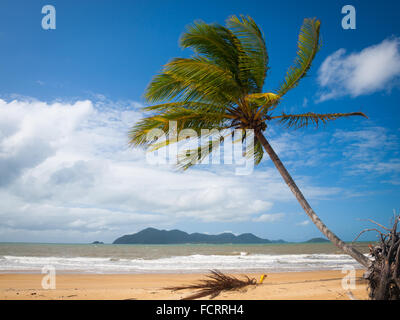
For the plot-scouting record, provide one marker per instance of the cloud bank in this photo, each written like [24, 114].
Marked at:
[68, 174]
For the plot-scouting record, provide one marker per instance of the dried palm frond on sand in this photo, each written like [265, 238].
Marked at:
[215, 283]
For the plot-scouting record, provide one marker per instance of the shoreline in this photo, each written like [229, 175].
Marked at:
[297, 285]
[235, 272]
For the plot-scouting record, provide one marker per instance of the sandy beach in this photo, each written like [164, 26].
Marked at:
[315, 285]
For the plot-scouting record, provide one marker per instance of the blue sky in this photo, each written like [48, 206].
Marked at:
[69, 96]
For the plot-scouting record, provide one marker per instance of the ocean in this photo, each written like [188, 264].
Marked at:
[190, 258]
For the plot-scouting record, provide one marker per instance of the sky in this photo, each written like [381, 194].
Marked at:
[69, 96]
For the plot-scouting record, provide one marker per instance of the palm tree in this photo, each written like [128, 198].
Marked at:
[220, 87]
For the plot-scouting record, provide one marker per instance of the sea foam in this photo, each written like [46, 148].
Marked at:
[181, 264]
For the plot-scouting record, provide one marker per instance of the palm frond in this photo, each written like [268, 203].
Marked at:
[263, 99]
[195, 119]
[190, 157]
[138, 135]
[308, 45]
[263, 102]
[258, 152]
[202, 71]
[193, 79]
[253, 58]
[212, 41]
[184, 104]
[215, 283]
[297, 121]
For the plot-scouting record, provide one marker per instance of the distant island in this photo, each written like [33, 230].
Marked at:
[317, 240]
[155, 236]
[97, 242]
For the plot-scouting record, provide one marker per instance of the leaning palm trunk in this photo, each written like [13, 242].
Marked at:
[307, 208]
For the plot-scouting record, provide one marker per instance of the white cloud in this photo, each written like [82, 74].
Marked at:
[299, 149]
[305, 103]
[369, 150]
[303, 223]
[273, 217]
[370, 70]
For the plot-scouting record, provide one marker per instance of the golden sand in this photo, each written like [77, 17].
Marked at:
[315, 285]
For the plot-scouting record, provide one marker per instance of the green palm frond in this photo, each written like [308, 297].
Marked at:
[213, 42]
[193, 79]
[263, 99]
[195, 119]
[308, 45]
[253, 55]
[297, 121]
[190, 157]
[263, 102]
[204, 73]
[138, 133]
[191, 105]
[257, 152]
[164, 87]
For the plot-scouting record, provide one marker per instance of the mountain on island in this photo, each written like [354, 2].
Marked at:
[317, 240]
[155, 236]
